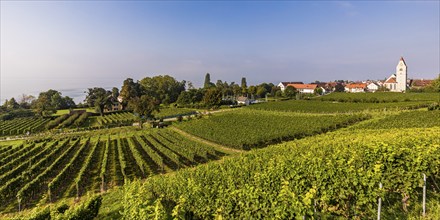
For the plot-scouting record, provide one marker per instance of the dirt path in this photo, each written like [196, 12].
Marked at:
[190, 136]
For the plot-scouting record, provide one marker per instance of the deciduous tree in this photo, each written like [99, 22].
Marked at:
[144, 106]
[99, 98]
[212, 97]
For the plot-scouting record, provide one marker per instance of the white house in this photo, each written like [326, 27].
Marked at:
[283, 85]
[243, 100]
[397, 82]
[304, 88]
[356, 87]
[372, 87]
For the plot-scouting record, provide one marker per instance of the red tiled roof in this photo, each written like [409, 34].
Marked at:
[287, 83]
[303, 86]
[421, 82]
[391, 80]
[356, 85]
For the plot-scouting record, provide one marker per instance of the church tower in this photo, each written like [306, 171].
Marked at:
[401, 75]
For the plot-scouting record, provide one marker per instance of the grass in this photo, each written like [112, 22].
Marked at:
[172, 112]
[66, 111]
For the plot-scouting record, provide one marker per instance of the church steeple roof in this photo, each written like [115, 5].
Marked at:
[401, 59]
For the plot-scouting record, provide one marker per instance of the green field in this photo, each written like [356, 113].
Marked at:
[67, 111]
[333, 107]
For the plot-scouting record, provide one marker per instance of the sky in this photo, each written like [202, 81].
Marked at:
[74, 45]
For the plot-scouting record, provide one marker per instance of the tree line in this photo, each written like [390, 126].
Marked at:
[145, 96]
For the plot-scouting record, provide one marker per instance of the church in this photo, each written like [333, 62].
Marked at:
[397, 82]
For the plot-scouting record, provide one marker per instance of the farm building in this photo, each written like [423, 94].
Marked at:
[304, 88]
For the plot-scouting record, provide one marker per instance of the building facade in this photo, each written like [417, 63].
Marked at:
[398, 82]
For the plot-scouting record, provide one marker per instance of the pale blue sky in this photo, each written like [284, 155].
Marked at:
[70, 46]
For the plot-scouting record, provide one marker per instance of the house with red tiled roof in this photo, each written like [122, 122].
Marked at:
[420, 83]
[283, 85]
[304, 88]
[356, 87]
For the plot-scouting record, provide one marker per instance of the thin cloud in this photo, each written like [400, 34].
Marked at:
[348, 8]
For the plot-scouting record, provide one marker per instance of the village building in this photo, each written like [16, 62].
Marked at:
[372, 87]
[397, 82]
[242, 100]
[283, 85]
[304, 88]
[420, 83]
[356, 87]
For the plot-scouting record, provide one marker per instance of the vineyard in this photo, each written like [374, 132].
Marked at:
[174, 112]
[379, 97]
[32, 125]
[334, 107]
[245, 129]
[21, 126]
[326, 176]
[408, 119]
[116, 119]
[322, 160]
[39, 172]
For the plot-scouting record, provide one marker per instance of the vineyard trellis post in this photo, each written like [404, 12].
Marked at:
[379, 205]
[424, 195]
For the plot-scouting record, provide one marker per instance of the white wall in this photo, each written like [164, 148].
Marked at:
[401, 76]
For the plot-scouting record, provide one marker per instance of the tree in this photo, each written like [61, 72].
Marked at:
[189, 97]
[435, 85]
[290, 92]
[207, 83]
[261, 91]
[115, 93]
[129, 90]
[165, 88]
[252, 90]
[68, 103]
[243, 86]
[12, 104]
[144, 106]
[212, 97]
[236, 89]
[318, 91]
[339, 87]
[26, 101]
[99, 98]
[48, 102]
